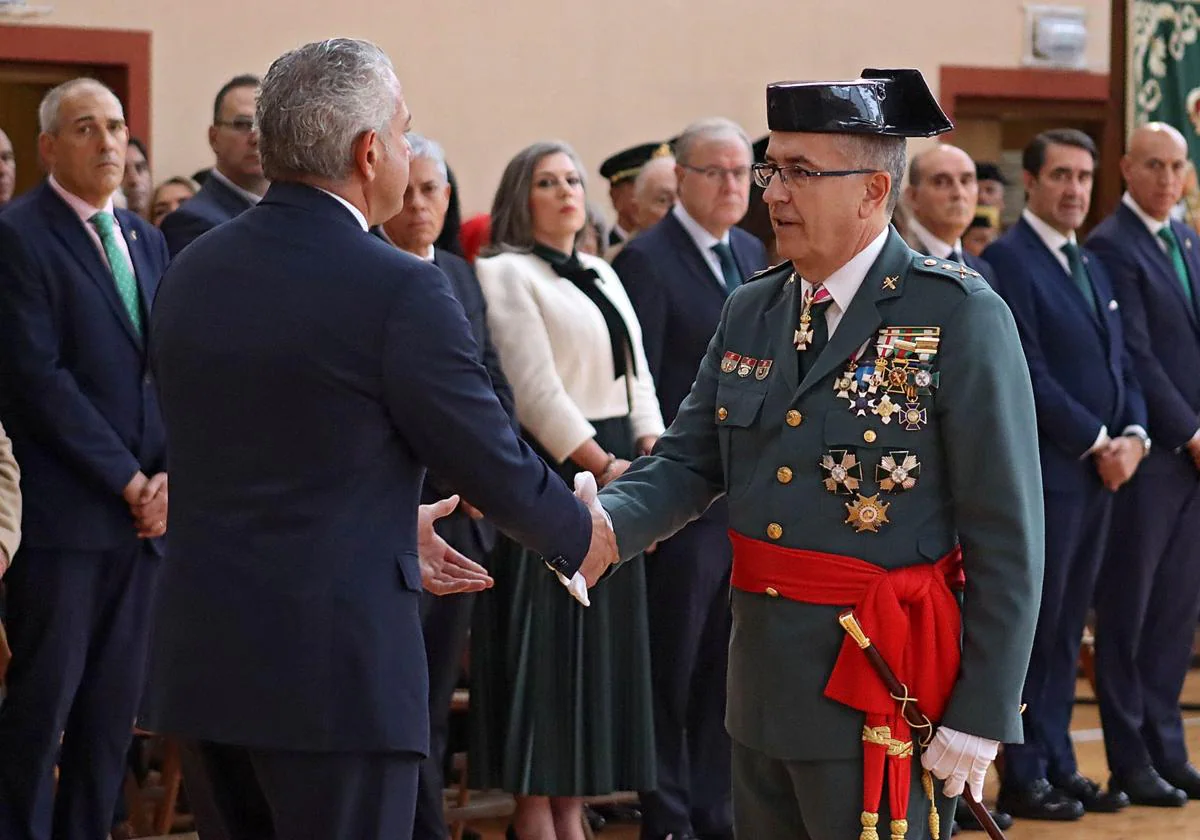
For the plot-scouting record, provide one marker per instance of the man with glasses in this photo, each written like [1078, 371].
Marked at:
[236, 183]
[867, 414]
[678, 274]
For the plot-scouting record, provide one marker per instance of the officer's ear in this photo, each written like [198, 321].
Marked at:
[875, 196]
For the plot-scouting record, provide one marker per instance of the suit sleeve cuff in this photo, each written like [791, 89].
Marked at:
[1101, 439]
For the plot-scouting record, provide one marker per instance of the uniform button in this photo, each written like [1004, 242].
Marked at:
[784, 474]
[722, 413]
[774, 530]
[794, 417]
[869, 436]
[772, 591]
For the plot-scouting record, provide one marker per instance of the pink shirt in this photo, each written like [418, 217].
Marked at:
[85, 212]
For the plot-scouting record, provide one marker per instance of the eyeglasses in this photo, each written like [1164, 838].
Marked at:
[717, 174]
[242, 125]
[764, 173]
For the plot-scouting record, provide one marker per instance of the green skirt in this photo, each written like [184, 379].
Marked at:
[560, 693]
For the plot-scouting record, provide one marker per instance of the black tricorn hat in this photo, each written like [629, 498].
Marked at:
[885, 102]
[626, 164]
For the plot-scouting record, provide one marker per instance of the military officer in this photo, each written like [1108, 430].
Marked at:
[621, 170]
[868, 414]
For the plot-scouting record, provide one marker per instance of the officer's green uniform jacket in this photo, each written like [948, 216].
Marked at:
[760, 436]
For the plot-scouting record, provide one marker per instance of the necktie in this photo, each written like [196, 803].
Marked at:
[1181, 272]
[118, 263]
[1079, 274]
[813, 332]
[729, 269]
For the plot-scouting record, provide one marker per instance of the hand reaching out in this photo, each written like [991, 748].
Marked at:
[445, 571]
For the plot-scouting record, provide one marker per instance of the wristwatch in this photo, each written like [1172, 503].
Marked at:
[1143, 437]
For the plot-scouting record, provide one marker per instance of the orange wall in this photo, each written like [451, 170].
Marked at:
[486, 77]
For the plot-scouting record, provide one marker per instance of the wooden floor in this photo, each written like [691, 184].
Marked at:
[1131, 824]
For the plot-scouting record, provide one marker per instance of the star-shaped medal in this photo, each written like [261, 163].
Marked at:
[867, 513]
[898, 470]
[843, 472]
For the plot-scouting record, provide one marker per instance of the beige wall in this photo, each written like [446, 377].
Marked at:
[486, 77]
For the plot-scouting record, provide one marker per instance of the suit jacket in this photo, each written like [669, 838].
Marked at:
[289, 614]
[741, 426]
[1162, 331]
[214, 205]
[78, 399]
[1082, 374]
[678, 300]
[10, 503]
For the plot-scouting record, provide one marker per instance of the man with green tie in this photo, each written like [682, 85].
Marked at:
[867, 414]
[1091, 423]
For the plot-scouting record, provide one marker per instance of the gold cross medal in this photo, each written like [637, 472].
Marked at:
[843, 472]
[867, 513]
[804, 333]
[914, 417]
[846, 385]
[897, 470]
[884, 408]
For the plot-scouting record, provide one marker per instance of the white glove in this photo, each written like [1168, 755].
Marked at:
[959, 759]
[586, 491]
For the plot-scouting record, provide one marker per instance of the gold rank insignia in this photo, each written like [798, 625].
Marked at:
[867, 513]
[747, 365]
[915, 417]
[763, 370]
[889, 283]
[843, 472]
[884, 408]
[730, 362]
[898, 470]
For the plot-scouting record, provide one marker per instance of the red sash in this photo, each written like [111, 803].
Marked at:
[912, 618]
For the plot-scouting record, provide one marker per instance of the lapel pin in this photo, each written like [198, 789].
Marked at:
[1112, 306]
[890, 283]
[1187, 243]
[133, 235]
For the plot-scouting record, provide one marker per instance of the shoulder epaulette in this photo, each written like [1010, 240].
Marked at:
[766, 272]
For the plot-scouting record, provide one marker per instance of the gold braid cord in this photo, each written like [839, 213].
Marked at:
[869, 823]
[935, 820]
[882, 736]
[899, 829]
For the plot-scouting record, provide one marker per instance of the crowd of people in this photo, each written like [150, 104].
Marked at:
[510, 353]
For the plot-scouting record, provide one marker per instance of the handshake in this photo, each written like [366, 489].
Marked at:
[602, 552]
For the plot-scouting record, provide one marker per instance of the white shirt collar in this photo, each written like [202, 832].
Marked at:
[1153, 225]
[358, 216]
[82, 209]
[937, 247]
[253, 198]
[428, 255]
[703, 239]
[844, 283]
[621, 233]
[1052, 238]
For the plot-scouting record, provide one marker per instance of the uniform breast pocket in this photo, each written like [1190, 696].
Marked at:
[738, 411]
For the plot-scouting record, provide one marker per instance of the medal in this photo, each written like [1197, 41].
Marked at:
[915, 417]
[763, 370]
[813, 296]
[884, 408]
[843, 472]
[746, 366]
[867, 513]
[730, 362]
[898, 470]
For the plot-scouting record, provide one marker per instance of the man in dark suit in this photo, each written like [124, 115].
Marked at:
[1091, 438]
[942, 194]
[678, 274]
[236, 183]
[76, 285]
[1149, 590]
[289, 641]
[445, 621]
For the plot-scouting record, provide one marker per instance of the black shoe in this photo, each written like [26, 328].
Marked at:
[595, 822]
[965, 820]
[1095, 799]
[1186, 778]
[619, 813]
[1146, 787]
[1039, 801]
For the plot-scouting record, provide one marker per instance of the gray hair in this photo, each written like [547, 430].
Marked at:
[423, 147]
[713, 128]
[48, 110]
[317, 100]
[512, 220]
[648, 169]
[884, 153]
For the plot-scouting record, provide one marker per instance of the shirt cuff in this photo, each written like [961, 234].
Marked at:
[1136, 431]
[1101, 439]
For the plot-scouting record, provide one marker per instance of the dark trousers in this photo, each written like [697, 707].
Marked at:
[78, 625]
[1147, 608]
[775, 799]
[446, 624]
[290, 795]
[1077, 526]
[687, 585]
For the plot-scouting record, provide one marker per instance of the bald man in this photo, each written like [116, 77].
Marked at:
[942, 194]
[1148, 597]
[8, 169]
